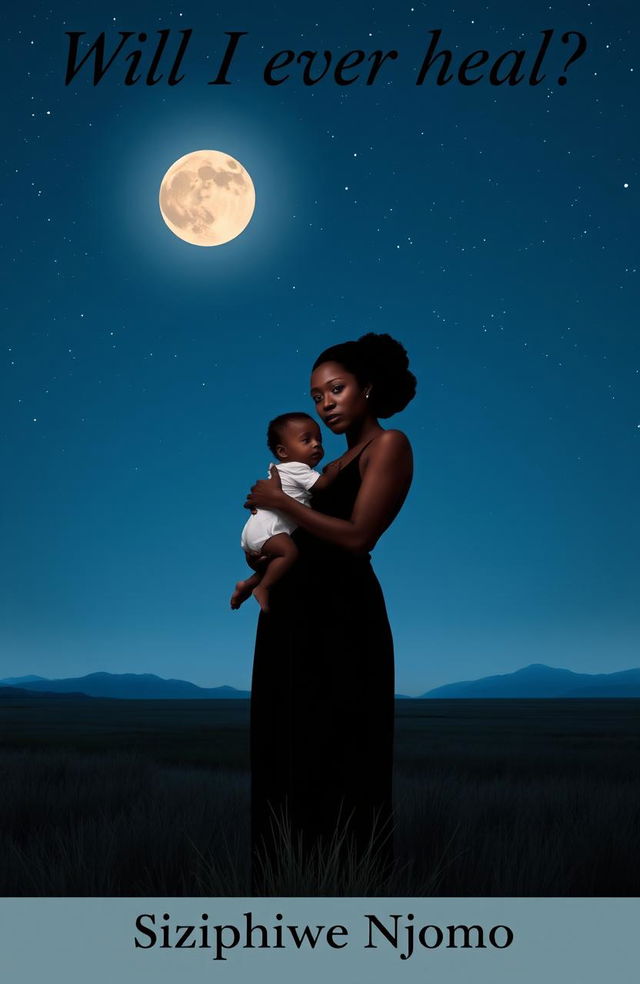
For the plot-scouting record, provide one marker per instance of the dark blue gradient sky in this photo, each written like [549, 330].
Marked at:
[492, 229]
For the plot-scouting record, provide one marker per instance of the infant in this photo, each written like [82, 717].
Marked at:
[295, 440]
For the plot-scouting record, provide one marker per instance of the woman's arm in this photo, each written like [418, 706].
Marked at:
[387, 469]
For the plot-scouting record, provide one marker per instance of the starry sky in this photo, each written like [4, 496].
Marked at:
[491, 228]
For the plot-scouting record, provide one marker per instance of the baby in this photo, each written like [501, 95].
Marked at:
[295, 440]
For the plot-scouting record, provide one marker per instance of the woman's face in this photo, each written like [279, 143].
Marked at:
[339, 398]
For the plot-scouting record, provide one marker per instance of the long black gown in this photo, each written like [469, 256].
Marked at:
[322, 693]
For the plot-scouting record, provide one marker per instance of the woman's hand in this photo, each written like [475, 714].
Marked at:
[267, 493]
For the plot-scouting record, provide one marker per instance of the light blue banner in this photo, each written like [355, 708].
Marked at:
[501, 941]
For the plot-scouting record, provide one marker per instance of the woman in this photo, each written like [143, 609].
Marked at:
[322, 691]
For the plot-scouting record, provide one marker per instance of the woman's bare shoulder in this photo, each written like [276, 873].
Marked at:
[391, 442]
[388, 448]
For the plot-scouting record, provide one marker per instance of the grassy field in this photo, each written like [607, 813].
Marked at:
[499, 797]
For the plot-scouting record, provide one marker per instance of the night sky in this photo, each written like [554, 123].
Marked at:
[491, 228]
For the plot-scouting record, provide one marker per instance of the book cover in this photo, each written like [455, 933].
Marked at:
[198, 201]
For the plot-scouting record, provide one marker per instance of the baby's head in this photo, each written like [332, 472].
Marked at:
[295, 437]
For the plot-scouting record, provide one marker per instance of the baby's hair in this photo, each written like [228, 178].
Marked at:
[381, 362]
[275, 428]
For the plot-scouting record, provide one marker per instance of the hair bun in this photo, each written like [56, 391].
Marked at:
[386, 363]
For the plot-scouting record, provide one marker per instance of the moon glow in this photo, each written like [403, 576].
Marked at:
[207, 198]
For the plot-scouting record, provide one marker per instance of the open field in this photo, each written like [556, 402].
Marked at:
[499, 797]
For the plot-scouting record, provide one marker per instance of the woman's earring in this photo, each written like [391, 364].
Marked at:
[366, 395]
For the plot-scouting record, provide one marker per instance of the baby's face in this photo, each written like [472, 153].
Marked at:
[301, 441]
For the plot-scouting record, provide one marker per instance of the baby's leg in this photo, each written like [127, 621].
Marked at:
[244, 588]
[282, 553]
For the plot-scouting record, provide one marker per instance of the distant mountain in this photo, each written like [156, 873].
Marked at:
[132, 686]
[14, 693]
[11, 681]
[538, 680]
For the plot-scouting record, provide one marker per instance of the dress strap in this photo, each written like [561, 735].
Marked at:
[356, 456]
[364, 448]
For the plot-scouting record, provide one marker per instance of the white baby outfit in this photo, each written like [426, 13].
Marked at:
[297, 481]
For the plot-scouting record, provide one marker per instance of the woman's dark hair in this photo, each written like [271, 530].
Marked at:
[274, 430]
[380, 361]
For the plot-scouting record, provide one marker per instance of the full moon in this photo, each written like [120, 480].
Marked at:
[207, 198]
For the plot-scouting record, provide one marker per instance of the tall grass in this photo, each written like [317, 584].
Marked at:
[118, 824]
[340, 864]
[529, 836]
[115, 824]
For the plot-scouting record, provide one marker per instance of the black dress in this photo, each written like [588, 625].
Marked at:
[322, 699]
